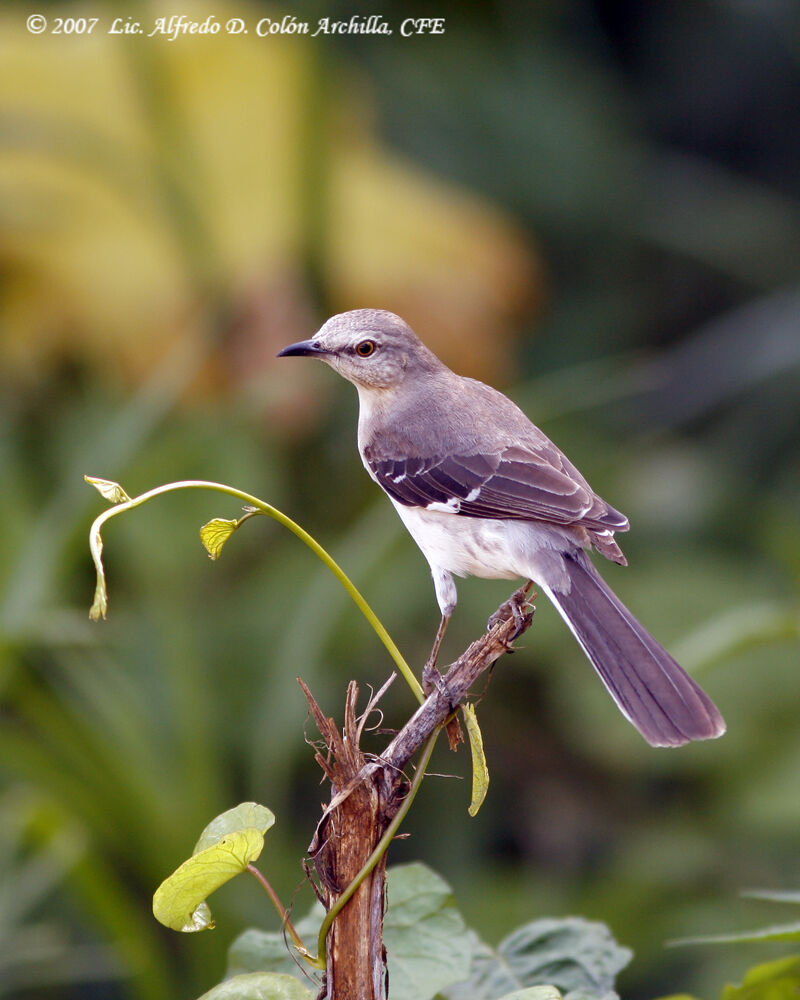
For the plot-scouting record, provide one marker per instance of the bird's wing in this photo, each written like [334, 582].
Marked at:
[517, 483]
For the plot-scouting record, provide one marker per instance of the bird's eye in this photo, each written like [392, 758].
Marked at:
[365, 348]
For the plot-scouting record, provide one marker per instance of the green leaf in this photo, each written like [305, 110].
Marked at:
[179, 900]
[108, 489]
[480, 772]
[259, 986]
[268, 951]
[427, 942]
[774, 895]
[779, 980]
[573, 955]
[778, 932]
[245, 816]
[214, 535]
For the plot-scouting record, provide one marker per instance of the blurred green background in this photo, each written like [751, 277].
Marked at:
[593, 205]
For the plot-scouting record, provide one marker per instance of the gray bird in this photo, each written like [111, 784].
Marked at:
[484, 492]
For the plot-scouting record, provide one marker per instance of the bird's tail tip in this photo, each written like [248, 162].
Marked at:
[650, 688]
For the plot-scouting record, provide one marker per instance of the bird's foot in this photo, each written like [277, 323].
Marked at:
[517, 607]
[431, 679]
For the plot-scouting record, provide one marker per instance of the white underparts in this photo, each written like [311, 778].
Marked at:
[485, 547]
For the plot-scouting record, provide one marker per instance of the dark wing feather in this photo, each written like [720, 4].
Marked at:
[516, 483]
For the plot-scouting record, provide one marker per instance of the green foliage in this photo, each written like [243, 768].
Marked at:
[776, 980]
[225, 848]
[579, 957]
[427, 941]
[779, 980]
[431, 952]
[267, 951]
[779, 932]
[39, 848]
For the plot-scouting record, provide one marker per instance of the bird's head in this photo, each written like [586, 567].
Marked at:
[372, 348]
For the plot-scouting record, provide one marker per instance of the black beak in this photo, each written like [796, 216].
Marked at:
[301, 348]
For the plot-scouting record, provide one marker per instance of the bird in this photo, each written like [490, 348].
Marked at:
[483, 492]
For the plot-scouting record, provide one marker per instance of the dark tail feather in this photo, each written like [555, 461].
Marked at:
[651, 689]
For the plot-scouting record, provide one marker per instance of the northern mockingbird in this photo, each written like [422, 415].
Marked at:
[484, 492]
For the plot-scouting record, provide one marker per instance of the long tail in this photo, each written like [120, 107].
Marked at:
[650, 688]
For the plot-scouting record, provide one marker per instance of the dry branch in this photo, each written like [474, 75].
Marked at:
[365, 796]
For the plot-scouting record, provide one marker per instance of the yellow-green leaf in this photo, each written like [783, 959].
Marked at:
[214, 535]
[108, 489]
[177, 903]
[245, 816]
[774, 980]
[480, 772]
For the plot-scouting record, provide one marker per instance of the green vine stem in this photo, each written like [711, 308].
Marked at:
[114, 493]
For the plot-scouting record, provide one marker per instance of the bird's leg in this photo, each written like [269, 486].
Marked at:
[431, 678]
[515, 607]
[432, 681]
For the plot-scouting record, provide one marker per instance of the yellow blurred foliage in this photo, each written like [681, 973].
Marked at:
[143, 181]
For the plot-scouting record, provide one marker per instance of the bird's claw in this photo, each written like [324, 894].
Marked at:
[431, 679]
[517, 607]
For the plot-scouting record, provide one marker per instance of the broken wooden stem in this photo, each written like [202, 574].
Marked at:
[369, 800]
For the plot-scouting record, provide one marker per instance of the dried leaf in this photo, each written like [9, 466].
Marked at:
[108, 489]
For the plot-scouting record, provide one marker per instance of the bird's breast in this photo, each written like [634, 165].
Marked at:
[466, 546]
